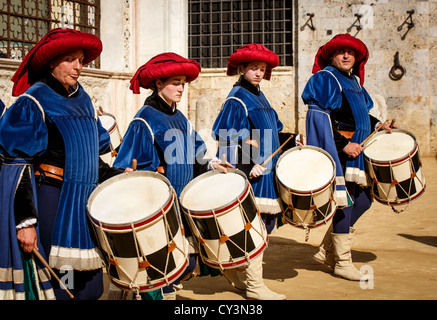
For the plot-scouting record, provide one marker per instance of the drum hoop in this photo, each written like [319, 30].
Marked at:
[398, 160]
[111, 129]
[136, 224]
[300, 192]
[162, 283]
[221, 209]
[304, 193]
[310, 226]
[407, 200]
[236, 264]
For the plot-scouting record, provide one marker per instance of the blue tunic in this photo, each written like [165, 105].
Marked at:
[244, 114]
[324, 93]
[24, 135]
[152, 132]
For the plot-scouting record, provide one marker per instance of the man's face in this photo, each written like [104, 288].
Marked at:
[67, 67]
[344, 59]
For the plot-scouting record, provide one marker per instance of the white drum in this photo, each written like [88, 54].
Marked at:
[109, 123]
[222, 212]
[137, 222]
[394, 165]
[306, 183]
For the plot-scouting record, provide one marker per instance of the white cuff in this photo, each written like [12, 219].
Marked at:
[26, 223]
[210, 167]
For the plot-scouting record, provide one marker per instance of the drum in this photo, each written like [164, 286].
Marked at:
[394, 165]
[222, 212]
[109, 123]
[306, 184]
[137, 222]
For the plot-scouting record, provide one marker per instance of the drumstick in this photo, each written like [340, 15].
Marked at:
[40, 257]
[134, 164]
[392, 123]
[370, 135]
[277, 150]
[223, 158]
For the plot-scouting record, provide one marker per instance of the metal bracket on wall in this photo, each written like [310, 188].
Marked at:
[409, 22]
[356, 24]
[397, 71]
[309, 22]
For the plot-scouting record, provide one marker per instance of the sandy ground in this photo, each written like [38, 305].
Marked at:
[398, 251]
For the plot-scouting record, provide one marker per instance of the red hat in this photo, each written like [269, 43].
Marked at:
[55, 43]
[249, 53]
[164, 65]
[323, 56]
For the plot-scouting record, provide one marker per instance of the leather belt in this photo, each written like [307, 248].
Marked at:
[346, 134]
[50, 171]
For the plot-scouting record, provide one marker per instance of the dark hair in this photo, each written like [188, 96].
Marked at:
[154, 86]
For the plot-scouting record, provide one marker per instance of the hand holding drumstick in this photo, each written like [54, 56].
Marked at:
[258, 170]
[353, 149]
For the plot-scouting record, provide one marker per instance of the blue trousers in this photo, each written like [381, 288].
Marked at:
[87, 285]
[345, 218]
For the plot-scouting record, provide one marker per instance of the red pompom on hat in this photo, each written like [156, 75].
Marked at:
[250, 53]
[324, 54]
[164, 65]
[55, 43]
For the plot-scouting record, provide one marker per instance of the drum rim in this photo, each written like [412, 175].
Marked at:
[112, 128]
[162, 282]
[310, 226]
[220, 209]
[243, 260]
[399, 203]
[300, 192]
[133, 224]
[397, 160]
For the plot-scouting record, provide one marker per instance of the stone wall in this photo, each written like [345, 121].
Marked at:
[134, 31]
[412, 100]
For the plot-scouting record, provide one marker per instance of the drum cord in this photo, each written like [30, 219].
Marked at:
[394, 183]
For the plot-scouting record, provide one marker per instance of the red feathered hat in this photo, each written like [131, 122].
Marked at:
[164, 65]
[249, 53]
[324, 54]
[55, 43]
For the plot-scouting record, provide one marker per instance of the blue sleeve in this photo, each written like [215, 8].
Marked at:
[23, 132]
[137, 144]
[104, 137]
[369, 101]
[200, 147]
[278, 122]
[2, 107]
[232, 123]
[322, 90]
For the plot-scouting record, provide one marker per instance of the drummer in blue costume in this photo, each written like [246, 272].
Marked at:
[248, 133]
[161, 138]
[51, 138]
[2, 109]
[338, 121]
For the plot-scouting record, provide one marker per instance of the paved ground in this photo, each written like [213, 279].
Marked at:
[399, 249]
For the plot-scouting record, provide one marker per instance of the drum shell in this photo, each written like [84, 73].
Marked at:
[110, 124]
[399, 180]
[307, 208]
[240, 222]
[158, 237]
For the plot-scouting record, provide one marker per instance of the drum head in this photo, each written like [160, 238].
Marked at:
[305, 168]
[107, 121]
[384, 146]
[213, 190]
[130, 197]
